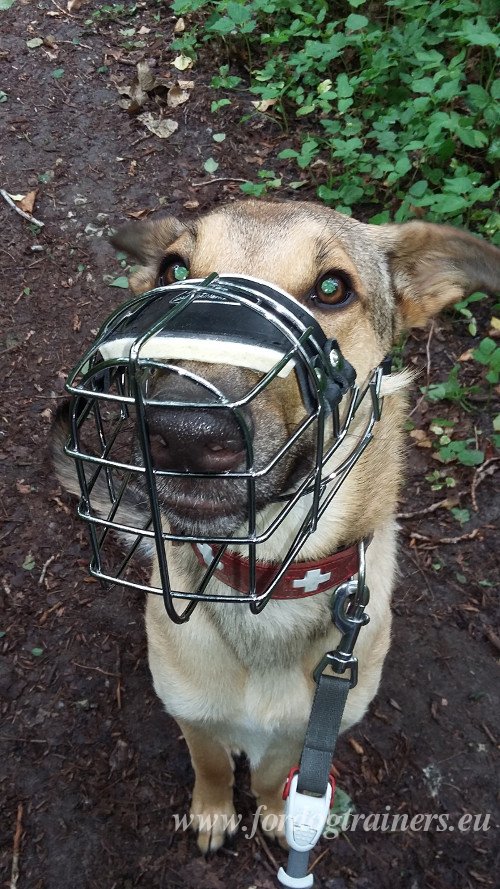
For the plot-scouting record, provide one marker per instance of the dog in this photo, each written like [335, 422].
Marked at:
[233, 680]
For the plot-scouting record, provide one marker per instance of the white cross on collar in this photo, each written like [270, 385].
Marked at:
[311, 580]
[206, 552]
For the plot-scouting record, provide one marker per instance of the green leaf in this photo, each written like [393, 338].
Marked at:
[34, 42]
[3, 97]
[470, 458]
[6, 4]
[58, 73]
[29, 562]
[344, 88]
[461, 515]
[46, 177]
[122, 281]
[37, 652]
[424, 85]
[418, 189]
[355, 22]
[210, 165]
[478, 33]
[218, 137]
[220, 103]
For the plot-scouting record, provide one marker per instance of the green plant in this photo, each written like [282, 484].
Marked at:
[450, 390]
[400, 101]
[439, 479]
[112, 12]
[488, 354]
[269, 180]
[463, 308]
[463, 451]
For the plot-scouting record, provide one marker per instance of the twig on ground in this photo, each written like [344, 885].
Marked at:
[489, 734]
[14, 874]
[96, 669]
[119, 680]
[427, 369]
[428, 354]
[493, 638]
[261, 841]
[479, 476]
[318, 859]
[437, 541]
[28, 216]
[219, 179]
[64, 11]
[426, 511]
[44, 570]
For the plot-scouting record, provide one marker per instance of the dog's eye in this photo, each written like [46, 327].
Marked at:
[173, 269]
[332, 289]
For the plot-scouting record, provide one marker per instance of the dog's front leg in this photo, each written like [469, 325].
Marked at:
[212, 807]
[268, 781]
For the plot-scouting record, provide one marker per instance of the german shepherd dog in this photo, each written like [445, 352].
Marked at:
[234, 680]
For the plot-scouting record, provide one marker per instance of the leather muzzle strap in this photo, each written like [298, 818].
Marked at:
[301, 579]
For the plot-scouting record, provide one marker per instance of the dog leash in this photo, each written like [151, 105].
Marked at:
[310, 787]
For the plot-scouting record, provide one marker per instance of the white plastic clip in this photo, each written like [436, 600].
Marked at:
[305, 816]
[295, 882]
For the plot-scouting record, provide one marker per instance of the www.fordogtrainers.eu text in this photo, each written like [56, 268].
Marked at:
[337, 824]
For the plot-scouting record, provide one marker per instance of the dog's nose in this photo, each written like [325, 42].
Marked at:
[205, 441]
[197, 441]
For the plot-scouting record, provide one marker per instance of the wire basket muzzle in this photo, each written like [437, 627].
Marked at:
[222, 321]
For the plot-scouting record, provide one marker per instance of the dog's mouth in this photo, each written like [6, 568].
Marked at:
[222, 505]
[212, 507]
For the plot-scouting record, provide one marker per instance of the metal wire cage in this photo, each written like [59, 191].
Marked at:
[121, 489]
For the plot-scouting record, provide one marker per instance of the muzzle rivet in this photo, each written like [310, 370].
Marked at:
[334, 358]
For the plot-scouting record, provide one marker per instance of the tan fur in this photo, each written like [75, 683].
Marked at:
[234, 680]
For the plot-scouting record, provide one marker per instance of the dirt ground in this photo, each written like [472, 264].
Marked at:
[91, 768]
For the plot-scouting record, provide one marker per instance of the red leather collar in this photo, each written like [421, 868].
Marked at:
[301, 579]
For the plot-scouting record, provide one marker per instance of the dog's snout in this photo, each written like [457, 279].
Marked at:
[186, 439]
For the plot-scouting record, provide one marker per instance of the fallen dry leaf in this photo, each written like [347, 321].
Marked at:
[27, 202]
[22, 488]
[179, 26]
[138, 214]
[75, 5]
[176, 96]
[421, 438]
[161, 127]
[50, 41]
[137, 97]
[145, 77]
[182, 63]
[264, 104]
[191, 205]
[465, 356]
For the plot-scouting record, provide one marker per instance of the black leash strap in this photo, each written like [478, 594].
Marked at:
[309, 788]
[322, 733]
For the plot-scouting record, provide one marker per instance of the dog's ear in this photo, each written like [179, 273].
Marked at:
[433, 266]
[149, 240]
